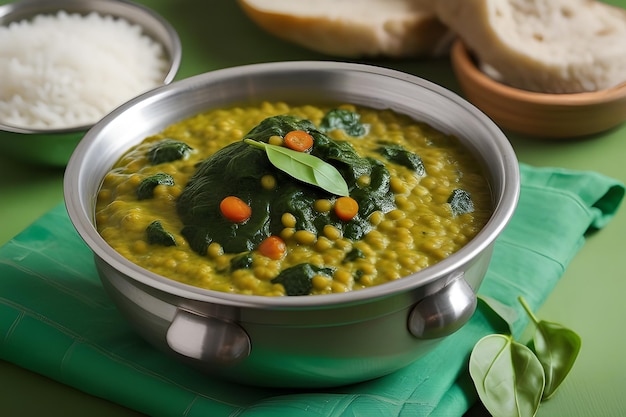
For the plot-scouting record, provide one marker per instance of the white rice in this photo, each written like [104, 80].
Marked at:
[68, 70]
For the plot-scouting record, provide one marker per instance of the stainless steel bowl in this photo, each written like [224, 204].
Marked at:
[53, 147]
[310, 341]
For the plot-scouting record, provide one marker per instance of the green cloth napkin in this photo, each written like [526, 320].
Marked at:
[55, 318]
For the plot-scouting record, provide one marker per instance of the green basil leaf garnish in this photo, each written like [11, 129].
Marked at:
[304, 167]
[508, 376]
[556, 348]
[145, 189]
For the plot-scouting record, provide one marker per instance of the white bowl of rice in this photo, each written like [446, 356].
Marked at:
[65, 64]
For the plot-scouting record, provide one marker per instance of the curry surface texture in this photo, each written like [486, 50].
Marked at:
[420, 230]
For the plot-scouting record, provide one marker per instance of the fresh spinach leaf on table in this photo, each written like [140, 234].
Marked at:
[512, 379]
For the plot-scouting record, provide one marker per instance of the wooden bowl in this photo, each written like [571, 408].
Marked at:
[555, 116]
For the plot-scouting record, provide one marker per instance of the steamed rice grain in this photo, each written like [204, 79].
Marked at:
[68, 70]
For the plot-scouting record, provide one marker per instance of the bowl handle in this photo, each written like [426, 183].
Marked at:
[445, 311]
[208, 339]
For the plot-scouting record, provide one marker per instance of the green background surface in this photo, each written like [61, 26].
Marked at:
[589, 297]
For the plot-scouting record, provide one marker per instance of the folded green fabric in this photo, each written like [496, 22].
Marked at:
[56, 319]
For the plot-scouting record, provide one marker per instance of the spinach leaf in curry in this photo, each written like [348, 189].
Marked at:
[146, 187]
[168, 150]
[346, 120]
[157, 235]
[237, 170]
[297, 279]
[460, 202]
[397, 154]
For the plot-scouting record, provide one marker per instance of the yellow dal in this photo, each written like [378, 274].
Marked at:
[420, 232]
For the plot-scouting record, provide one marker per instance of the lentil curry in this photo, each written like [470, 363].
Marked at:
[274, 199]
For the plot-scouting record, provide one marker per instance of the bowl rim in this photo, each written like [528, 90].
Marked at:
[32, 8]
[83, 221]
[461, 55]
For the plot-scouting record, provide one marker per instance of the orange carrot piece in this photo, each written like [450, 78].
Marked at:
[298, 140]
[235, 209]
[346, 208]
[273, 247]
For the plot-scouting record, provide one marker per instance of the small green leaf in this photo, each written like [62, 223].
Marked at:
[145, 189]
[157, 235]
[304, 167]
[343, 119]
[297, 279]
[460, 202]
[505, 312]
[556, 347]
[241, 261]
[507, 375]
[353, 255]
[398, 155]
[168, 150]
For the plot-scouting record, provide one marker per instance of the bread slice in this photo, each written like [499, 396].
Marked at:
[354, 28]
[551, 46]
